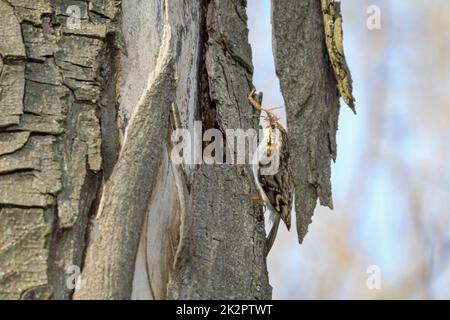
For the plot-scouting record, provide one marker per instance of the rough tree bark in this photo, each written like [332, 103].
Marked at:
[310, 93]
[85, 174]
[58, 111]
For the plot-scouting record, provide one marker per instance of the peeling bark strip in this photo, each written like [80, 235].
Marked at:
[309, 89]
[332, 20]
[109, 263]
[50, 138]
[167, 206]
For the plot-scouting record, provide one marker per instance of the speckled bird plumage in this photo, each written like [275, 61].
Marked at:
[276, 189]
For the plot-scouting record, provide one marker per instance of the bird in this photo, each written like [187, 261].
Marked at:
[275, 186]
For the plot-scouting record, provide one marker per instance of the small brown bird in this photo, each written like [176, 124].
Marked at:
[274, 183]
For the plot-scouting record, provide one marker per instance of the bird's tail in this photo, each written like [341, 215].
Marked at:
[272, 234]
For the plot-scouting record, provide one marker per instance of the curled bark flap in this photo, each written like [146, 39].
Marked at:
[108, 270]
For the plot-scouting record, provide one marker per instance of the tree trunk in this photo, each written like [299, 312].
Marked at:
[86, 177]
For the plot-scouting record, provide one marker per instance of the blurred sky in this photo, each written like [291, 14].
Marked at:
[391, 181]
